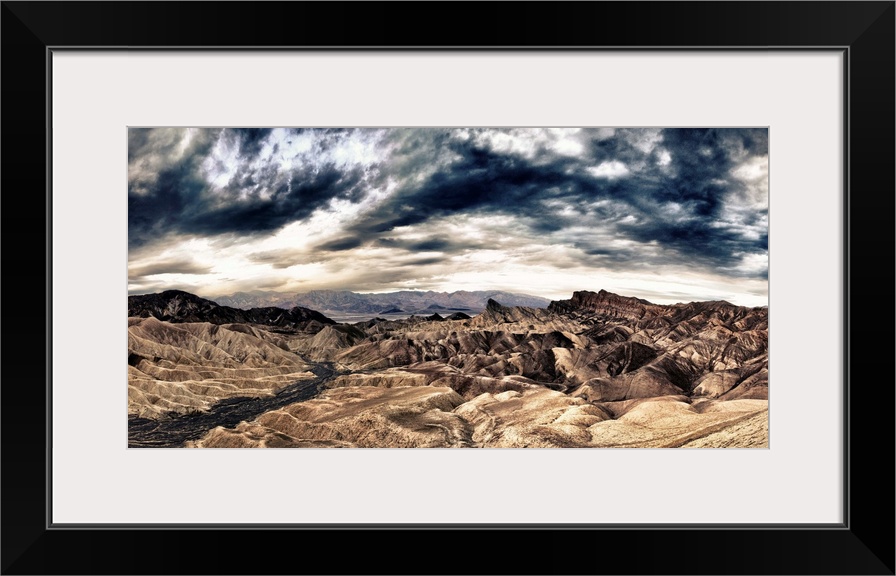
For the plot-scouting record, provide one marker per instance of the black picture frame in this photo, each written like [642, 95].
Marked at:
[864, 31]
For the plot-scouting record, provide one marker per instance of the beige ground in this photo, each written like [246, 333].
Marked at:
[358, 416]
[426, 416]
[600, 371]
[188, 367]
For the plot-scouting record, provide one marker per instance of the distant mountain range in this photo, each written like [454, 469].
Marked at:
[178, 306]
[405, 301]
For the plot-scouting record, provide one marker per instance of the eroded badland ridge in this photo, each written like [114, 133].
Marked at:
[597, 370]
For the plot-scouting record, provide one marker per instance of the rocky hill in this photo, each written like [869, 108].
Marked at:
[599, 369]
[189, 366]
[178, 306]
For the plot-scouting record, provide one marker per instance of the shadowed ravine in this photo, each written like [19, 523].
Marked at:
[175, 429]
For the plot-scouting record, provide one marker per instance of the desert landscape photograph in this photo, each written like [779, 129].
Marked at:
[476, 287]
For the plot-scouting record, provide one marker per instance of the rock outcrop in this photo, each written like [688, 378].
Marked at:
[178, 306]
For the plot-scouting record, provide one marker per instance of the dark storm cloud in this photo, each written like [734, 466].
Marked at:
[174, 193]
[137, 142]
[633, 198]
[677, 204]
[611, 255]
[280, 259]
[683, 212]
[433, 244]
[340, 244]
[293, 198]
[250, 140]
[424, 261]
[169, 267]
[477, 181]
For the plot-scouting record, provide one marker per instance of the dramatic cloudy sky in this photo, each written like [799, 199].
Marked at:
[669, 215]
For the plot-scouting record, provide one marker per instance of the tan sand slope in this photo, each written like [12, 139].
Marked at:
[535, 417]
[187, 367]
[355, 417]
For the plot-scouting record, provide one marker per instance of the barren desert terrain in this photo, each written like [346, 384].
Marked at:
[597, 370]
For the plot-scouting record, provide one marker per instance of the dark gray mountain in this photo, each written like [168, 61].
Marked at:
[177, 306]
[409, 301]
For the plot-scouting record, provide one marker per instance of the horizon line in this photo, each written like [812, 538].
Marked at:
[550, 300]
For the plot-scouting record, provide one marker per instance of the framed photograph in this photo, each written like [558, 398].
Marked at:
[434, 287]
[747, 168]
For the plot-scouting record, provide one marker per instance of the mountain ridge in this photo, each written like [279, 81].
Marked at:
[406, 301]
[177, 306]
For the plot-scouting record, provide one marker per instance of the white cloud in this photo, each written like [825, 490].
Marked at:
[755, 262]
[748, 189]
[754, 170]
[644, 139]
[529, 143]
[289, 151]
[610, 170]
[221, 165]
